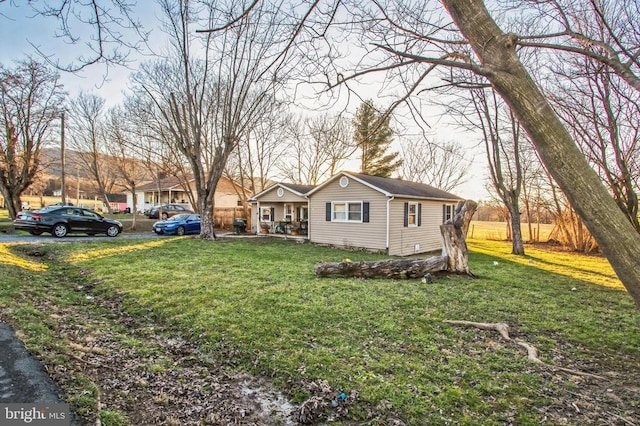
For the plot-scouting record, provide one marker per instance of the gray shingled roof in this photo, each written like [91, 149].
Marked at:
[302, 189]
[397, 187]
[165, 184]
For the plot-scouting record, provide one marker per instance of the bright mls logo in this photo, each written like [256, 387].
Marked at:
[34, 414]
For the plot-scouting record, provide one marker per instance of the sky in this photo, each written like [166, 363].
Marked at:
[21, 31]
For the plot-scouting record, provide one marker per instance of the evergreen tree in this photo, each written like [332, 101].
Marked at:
[373, 136]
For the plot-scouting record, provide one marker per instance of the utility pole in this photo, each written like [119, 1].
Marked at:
[78, 185]
[63, 192]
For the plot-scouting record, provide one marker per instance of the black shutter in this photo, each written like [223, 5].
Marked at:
[328, 212]
[365, 212]
[406, 214]
[444, 212]
[419, 214]
[273, 214]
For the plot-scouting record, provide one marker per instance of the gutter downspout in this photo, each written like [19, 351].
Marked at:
[389, 200]
[258, 218]
[308, 217]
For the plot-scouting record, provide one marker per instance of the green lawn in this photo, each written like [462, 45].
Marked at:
[255, 306]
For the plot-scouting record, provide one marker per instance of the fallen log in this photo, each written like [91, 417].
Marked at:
[398, 269]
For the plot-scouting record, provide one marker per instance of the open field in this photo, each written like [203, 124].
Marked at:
[253, 306]
[482, 230]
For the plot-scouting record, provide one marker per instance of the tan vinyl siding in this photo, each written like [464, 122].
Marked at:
[226, 195]
[404, 241]
[371, 235]
[288, 197]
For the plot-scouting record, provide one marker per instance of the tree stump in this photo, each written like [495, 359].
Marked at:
[454, 257]
[454, 237]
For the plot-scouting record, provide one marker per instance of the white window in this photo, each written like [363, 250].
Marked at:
[347, 211]
[412, 214]
[304, 213]
[288, 212]
[447, 212]
[265, 214]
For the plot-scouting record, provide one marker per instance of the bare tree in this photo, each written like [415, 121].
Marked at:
[502, 138]
[210, 103]
[253, 163]
[437, 164]
[30, 98]
[115, 31]
[151, 143]
[122, 148]
[535, 186]
[602, 30]
[317, 148]
[87, 136]
[603, 115]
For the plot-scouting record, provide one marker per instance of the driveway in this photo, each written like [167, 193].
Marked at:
[46, 238]
[22, 377]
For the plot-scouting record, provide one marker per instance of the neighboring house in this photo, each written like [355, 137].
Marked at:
[282, 208]
[168, 190]
[357, 210]
[228, 203]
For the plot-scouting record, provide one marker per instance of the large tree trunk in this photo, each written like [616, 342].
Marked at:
[207, 225]
[12, 202]
[454, 254]
[501, 66]
[517, 244]
[454, 235]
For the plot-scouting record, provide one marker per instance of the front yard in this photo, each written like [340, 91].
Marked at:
[175, 330]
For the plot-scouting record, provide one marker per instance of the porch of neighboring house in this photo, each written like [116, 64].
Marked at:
[170, 191]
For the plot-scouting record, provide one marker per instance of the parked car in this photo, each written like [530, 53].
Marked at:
[59, 204]
[62, 220]
[180, 224]
[168, 210]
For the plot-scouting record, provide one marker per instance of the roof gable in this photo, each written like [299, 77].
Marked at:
[299, 190]
[172, 183]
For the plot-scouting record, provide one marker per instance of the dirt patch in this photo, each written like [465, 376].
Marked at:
[156, 379]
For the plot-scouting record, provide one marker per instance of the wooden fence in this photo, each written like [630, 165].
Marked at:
[223, 217]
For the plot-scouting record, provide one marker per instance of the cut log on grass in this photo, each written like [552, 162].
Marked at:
[399, 269]
[532, 352]
[454, 258]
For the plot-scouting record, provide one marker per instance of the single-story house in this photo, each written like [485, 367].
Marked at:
[358, 210]
[172, 190]
[377, 213]
[227, 198]
[166, 190]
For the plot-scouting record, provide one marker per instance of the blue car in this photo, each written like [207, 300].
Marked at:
[180, 224]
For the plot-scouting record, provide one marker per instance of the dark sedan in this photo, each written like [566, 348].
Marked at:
[168, 210]
[62, 220]
[178, 225]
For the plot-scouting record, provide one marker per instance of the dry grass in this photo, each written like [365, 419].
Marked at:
[497, 231]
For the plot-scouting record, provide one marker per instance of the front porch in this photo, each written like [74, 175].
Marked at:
[285, 227]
